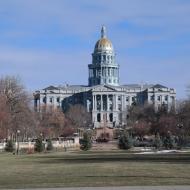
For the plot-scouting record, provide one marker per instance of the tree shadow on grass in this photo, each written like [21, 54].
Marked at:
[179, 159]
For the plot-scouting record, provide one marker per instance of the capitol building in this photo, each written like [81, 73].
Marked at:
[105, 98]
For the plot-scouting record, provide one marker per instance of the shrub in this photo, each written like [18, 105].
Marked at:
[169, 141]
[138, 143]
[158, 142]
[86, 142]
[49, 145]
[9, 147]
[39, 147]
[125, 141]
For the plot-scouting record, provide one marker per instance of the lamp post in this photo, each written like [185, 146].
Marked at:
[17, 139]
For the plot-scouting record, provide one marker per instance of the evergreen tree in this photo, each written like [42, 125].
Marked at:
[86, 142]
[39, 147]
[49, 145]
[125, 141]
[158, 142]
[169, 141]
[9, 147]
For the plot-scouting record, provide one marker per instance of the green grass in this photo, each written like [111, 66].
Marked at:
[93, 169]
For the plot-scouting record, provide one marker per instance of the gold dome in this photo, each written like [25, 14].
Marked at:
[103, 45]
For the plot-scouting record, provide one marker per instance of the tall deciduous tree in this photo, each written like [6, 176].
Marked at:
[16, 104]
[79, 116]
[51, 122]
[141, 128]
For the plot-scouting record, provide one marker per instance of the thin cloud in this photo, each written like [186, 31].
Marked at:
[50, 42]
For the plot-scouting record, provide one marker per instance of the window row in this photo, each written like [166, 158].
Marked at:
[51, 99]
[103, 58]
[110, 117]
[159, 98]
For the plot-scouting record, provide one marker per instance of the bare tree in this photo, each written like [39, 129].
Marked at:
[144, 113]
[167, 124]
[79, 116]
[51, 122]
[183, 117]
[4, 118]
[141, 128]
[17, 103]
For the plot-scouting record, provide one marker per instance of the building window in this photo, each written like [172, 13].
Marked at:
[110, 107]
[50, 100]
[99, 58]
[127, 99]
[111, 117]
[110, 98]
[44, 100]
[119, 98]
[99, 72]
[58, 99]
[119, 107]
[98, 117]
[166, 98]
[158, 98]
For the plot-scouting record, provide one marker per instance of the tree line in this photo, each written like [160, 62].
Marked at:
[161, 128]
[18, 118]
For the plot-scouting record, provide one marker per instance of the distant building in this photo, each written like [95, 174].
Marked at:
[104, 97]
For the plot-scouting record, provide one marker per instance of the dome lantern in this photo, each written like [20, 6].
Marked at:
[103, 32]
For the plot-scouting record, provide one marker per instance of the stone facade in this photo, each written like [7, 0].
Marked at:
[104, 98]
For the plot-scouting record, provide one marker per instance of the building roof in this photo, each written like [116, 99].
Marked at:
[135, 86]
[159, 86]
[84, 88]
[51, 88]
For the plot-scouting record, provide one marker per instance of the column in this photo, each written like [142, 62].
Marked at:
[122, 102]
[38, 105]
[107, 102]
[95, 101]
[101, 102]
[114, 102]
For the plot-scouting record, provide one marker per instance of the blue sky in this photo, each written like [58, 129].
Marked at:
[49, 42]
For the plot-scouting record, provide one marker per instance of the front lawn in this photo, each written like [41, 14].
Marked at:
[115, 168]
